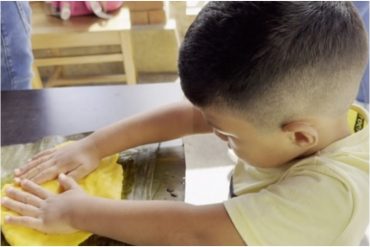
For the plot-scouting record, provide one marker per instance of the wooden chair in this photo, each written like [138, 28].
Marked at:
[50, 32]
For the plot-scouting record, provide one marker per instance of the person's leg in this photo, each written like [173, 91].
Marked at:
[16, 52]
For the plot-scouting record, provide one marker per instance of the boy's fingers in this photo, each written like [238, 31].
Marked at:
[23, 197]
[39, 169]
[24, 221]
[52, 172]
[20, 208]
[46, 175]
[78, 173]
[45, 152]
[30, 168]
[35, 189]
[67, 183]
[30, 163]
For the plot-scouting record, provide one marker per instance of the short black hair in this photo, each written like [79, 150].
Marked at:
[274, 60]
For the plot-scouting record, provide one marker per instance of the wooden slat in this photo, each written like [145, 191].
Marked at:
[55, 40]
[117, 57]
[119, 78]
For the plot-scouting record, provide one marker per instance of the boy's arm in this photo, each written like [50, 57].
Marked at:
[134, 222]
[165, 123]
[156, 222]
[80, 158]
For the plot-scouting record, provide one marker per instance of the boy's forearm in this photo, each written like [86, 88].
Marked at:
[136, 222]
[155, 222]
[165, 123]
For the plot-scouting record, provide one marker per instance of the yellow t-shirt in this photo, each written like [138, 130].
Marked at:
[320, 200]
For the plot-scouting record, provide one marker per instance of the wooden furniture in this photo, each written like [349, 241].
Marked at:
[32, 114]
[49, 32]
[146, 12]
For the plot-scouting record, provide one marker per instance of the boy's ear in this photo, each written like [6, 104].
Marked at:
[301, 134]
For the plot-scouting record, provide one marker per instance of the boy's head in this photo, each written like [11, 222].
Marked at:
[273, 63]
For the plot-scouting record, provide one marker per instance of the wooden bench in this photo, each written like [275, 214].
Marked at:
[49, 32]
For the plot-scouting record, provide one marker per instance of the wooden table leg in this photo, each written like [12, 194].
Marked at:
[36, 79]
[128, 57]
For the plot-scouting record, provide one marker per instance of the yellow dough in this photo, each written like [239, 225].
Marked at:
[105, 181]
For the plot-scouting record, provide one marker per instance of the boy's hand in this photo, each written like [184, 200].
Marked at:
[76, 160]
[42, 210]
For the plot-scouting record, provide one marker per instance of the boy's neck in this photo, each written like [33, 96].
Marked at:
[330, 131]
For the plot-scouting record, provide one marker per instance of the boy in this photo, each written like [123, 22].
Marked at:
[273, 79]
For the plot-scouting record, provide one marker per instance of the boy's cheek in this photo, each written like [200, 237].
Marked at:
[247, 153]
[238, 152]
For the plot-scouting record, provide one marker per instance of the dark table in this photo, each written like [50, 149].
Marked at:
[27, 116]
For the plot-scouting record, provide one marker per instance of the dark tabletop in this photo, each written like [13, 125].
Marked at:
[27, 116]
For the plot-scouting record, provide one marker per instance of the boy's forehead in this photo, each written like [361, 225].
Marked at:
[221, 118]
[226, 120]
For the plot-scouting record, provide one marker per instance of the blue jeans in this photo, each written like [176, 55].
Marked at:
[16, 52]
[363, 93]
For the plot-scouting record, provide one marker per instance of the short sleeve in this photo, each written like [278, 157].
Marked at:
[303, 209]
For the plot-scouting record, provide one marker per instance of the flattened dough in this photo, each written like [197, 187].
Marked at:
[105, 181]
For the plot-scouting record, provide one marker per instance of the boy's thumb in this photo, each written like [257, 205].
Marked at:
[66, 182]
